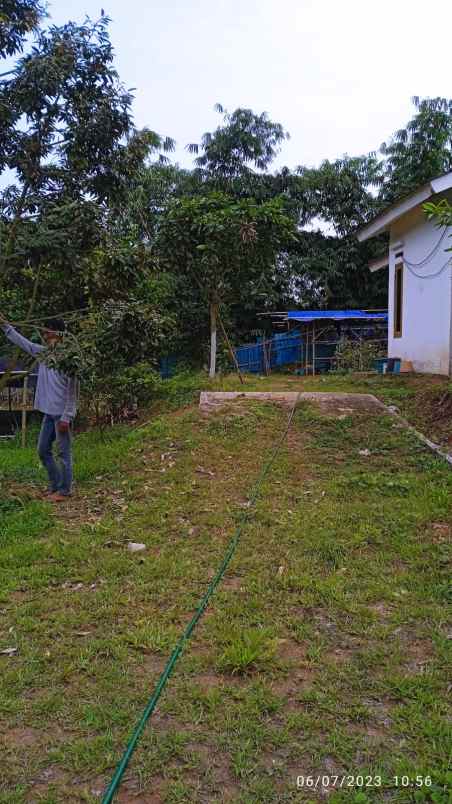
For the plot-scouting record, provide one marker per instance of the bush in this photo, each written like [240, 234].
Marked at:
[130, 389]
[113, 351]
[354, 355]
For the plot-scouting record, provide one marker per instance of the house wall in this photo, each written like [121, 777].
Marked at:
[427, 303]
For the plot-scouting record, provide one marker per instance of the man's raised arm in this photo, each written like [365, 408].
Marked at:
[18, 340]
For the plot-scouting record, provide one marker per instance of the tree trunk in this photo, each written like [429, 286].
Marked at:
[213, 338]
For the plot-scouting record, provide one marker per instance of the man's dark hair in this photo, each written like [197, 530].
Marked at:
[55, 324]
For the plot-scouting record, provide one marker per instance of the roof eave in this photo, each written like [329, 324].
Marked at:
[383, 222]
[378, 264]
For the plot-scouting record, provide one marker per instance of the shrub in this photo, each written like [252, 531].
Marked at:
[354, 355]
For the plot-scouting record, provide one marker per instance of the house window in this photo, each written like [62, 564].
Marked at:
[398, 299]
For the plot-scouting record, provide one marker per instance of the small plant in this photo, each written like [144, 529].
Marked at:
[152, 637]
[250, 650]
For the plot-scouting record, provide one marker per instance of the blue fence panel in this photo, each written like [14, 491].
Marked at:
[250, 357]
[287, 348]
[281, 350]
[167, 366]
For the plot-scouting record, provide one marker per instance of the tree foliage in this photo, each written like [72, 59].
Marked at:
[245, 143]
[440, 212]
[225, 246]
[342, 193]
[97, 217]
[17, 19]
[420, 151]
[68, 140]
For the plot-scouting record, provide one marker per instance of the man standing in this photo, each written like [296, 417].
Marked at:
[56, 398]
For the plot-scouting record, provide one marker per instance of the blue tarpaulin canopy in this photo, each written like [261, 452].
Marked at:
[335, 315]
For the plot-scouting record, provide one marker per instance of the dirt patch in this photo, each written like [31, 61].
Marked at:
[151, 665]
[233, 584]
[132, 795]
[340, 655]
[440, 532]
[418, 652]
[372, 734]
[23, 737]
[381, 609]
[293, 653]
[52, 775]
[291, 686]
[208, 681]
[432, 408]
[380, 710]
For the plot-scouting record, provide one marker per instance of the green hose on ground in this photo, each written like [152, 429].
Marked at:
[139, 728]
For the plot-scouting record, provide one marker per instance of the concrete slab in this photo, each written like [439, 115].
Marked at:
[332, 402]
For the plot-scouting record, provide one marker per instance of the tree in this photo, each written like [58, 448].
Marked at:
[67, 136]
[17, 19]
[342, 193]
[245, 143]
[227, 247]
[327, 267]
[420, 151]
[78, 145]
[331, 272]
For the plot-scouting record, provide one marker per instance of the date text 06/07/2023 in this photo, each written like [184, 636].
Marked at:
[313, 782]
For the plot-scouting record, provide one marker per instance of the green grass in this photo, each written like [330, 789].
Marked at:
[325, 650]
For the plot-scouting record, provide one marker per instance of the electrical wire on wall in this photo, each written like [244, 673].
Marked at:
[427, 276]
[411, 266]
[431, 254]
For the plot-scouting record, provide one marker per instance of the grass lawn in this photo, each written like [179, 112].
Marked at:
[323, 654]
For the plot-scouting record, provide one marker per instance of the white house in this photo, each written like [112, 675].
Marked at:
[420, 279]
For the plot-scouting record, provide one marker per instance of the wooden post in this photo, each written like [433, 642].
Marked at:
[24, 411]
[213, 338]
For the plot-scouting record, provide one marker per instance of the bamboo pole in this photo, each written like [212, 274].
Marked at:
[231, 351]
[24, 412]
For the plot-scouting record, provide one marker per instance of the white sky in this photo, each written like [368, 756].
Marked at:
[338, 74]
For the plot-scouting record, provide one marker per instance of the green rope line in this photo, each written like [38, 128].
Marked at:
[139, 728]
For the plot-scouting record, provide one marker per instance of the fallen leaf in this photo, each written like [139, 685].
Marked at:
[9, 651]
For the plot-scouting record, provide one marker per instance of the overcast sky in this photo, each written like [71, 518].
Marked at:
[338, 74]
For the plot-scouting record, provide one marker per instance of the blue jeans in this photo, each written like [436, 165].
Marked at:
[60, 476]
